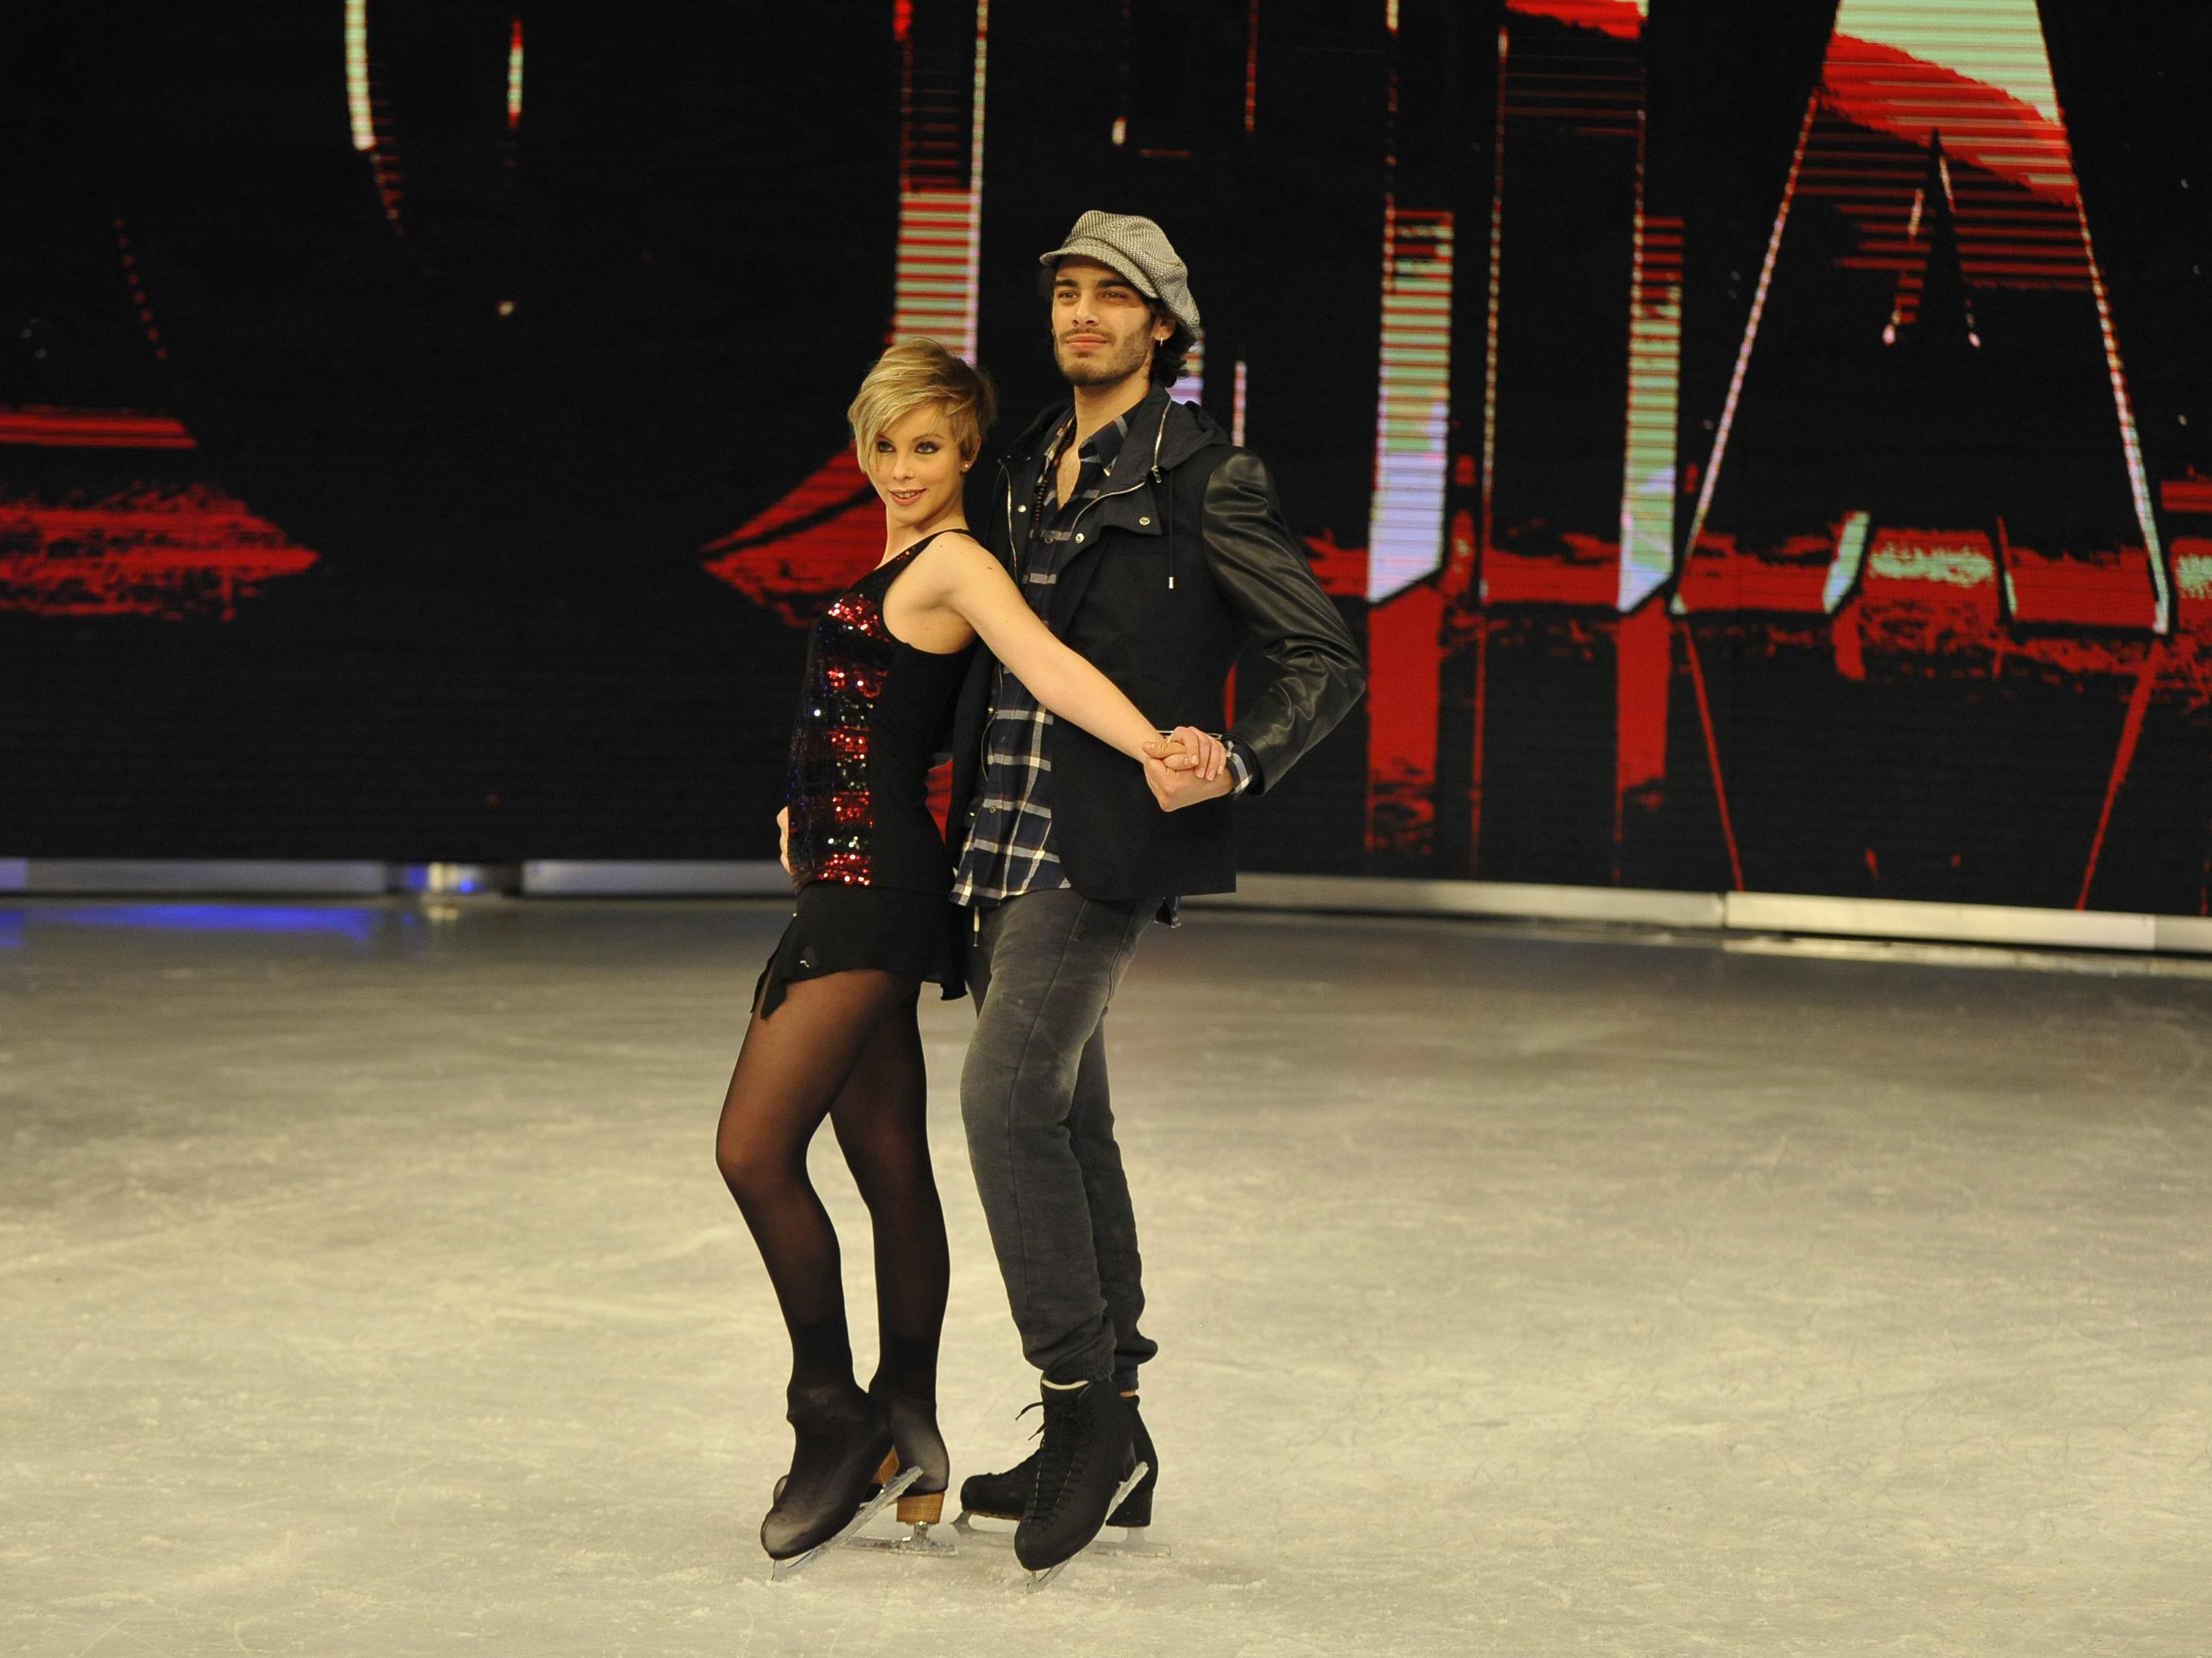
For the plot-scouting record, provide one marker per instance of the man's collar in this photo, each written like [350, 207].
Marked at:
[1034, 440]
[1106, 443]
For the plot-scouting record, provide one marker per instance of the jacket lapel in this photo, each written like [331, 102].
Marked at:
[1121, 510]
[1016, 480]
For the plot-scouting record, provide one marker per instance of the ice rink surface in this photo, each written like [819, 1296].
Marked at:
[369, 1288]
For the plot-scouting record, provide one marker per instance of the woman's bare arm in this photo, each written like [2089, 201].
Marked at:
[964, 579]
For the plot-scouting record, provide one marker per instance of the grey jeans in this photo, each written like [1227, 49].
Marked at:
[1041, 1130]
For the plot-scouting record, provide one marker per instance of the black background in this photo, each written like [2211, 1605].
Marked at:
[507, 647]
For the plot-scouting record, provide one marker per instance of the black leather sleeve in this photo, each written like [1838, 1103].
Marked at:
[1263, 575]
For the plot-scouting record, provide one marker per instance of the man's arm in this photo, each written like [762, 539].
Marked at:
[1263, 574]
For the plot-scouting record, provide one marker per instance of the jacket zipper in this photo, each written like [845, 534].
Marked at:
[1158, 436]
[1111, 495]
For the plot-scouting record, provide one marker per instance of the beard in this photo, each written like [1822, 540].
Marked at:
[1101, 368]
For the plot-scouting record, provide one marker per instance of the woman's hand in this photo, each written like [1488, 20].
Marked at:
[783, 839]
[1186, 748]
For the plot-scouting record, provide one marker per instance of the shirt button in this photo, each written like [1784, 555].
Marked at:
[1079, 535]
[1021, 509]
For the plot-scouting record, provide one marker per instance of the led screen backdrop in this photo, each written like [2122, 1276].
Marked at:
[1762, 443]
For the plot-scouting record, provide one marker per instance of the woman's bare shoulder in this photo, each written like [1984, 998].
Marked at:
[953, 556]
[956, 543]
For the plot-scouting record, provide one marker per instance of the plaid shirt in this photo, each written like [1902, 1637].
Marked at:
[1009, 850]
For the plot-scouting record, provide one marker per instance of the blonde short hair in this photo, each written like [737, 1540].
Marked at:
[912, 374]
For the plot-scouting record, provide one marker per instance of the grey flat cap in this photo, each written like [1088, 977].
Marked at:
[1140, 251]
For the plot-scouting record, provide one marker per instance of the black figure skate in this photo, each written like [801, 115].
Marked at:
[1086, 1467]
[1006, 1496]
[917, 1446]
[833, 1488]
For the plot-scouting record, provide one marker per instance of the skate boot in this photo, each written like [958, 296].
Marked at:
[1086, 1466]
[844, 1436]
[999, 1496]
[915, 1444]
[1003, 1496]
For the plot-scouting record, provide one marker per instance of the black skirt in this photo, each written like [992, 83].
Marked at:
[837, 928]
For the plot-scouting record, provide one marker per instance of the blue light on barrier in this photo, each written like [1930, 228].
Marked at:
[356, 923]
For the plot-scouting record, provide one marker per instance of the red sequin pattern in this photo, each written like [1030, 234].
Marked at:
[849, 657]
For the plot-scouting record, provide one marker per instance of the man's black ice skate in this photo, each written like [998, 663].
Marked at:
[999, 1496]
[1006, 1496]
[916, 1444]
[1084, 1468]
[844, 1436]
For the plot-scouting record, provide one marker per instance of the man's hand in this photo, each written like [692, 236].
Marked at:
[1186, 748]
[1176, 790]
[783, 839]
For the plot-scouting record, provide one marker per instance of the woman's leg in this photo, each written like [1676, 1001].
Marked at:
[882, 1125]
[789, 1073]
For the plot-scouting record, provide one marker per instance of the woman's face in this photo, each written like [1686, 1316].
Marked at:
[916, 468]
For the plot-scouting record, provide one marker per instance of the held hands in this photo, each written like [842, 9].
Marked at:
[1186, 767]
[783, 839]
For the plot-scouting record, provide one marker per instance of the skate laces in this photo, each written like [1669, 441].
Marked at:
[1065, 1450]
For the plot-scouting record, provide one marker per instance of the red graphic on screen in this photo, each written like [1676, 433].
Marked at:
[1623, 18]
[145, 551]
[92, 429]
[1882, 88]
[812, 544]
[135, 547]
[1404, 650]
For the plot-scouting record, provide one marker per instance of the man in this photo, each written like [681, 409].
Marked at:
[1156, 548]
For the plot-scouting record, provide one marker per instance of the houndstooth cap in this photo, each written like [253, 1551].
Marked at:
[1140, 251]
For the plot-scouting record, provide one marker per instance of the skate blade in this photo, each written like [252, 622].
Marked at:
[1135, 1542]
[782, 1572]
[1037, 1579]
[915, 1539]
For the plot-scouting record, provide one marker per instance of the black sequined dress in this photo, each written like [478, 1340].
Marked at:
[866, 858]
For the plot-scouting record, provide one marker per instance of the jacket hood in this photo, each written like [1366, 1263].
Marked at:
[1190, 429]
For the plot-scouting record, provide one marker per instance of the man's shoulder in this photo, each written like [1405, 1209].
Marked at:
[1231, 466]
[1191, 438]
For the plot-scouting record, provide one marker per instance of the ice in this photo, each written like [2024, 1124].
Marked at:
[369, 1288]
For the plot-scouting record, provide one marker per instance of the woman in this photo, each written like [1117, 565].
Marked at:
[833, 1031]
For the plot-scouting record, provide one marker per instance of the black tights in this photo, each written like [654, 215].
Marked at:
[845, 1046]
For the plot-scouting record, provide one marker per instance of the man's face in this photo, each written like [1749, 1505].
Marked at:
[1103, 330]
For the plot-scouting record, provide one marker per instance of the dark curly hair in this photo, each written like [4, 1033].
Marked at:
[1169, 355]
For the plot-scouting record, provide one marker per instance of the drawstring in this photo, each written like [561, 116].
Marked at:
[1167, 502]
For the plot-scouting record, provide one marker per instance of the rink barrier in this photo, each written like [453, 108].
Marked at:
[669, 878]
[1746, 912]
[1718, 912]
[181, 877]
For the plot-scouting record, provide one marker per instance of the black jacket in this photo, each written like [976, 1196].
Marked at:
[1185, 558]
